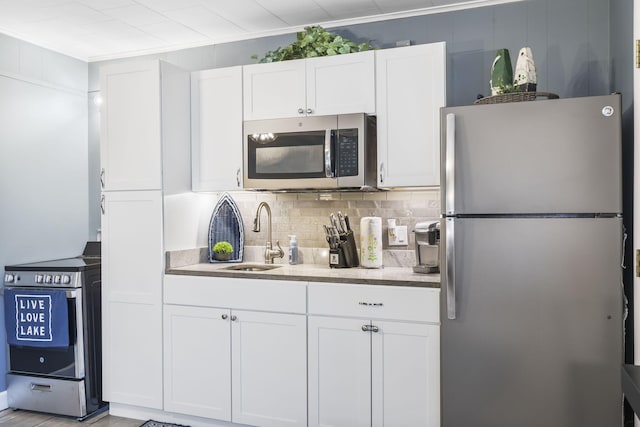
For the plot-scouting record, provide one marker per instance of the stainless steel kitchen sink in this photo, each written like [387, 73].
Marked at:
[251, 267]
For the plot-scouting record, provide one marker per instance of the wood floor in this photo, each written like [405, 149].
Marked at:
[19, 418]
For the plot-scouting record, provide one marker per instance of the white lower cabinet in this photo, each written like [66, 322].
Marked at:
[372, 371]
[274, 353]
[197, 361]
[268, 359]
[405, 372]
[339, 373]
[132, 298]
[234, 364]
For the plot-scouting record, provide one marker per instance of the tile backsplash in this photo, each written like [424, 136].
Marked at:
[304, 214]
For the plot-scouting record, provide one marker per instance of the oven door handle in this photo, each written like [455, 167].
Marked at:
[70, 293]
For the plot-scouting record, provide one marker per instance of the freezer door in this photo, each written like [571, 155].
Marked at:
[554, 156]
[537, 335]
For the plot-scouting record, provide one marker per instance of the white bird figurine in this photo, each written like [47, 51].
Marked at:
[525, 74]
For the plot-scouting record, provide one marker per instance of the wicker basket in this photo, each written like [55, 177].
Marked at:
[515, 97]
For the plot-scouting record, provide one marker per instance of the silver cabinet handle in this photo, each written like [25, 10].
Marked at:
[450, 271]
[300, 110]
[233, 318]
[224, 317]
[450, 169]
[371, 304]
[238, 177]
[309, 111]
[370, 328]
[381, 172]
[102, 204]
[102, 178]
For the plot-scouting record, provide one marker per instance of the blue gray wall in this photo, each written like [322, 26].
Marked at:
[43, 148]
[621, 42]
[569, 40]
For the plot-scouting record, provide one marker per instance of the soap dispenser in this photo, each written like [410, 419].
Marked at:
[293, 250]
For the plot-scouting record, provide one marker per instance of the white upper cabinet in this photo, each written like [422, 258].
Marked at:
[274, 90]
[410, 90]
[130, 131]
[216, 129]
[340, 84]
[144, 127]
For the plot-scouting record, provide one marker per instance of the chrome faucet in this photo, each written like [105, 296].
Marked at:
[269, 252]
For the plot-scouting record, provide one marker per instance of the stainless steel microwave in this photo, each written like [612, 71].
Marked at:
[310, 153]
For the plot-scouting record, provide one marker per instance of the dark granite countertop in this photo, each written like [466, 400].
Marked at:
[398, 276]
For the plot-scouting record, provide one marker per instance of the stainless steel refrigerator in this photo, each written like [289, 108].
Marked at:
[531, 290]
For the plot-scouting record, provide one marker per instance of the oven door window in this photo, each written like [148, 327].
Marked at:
[287, 155]
[55, 362]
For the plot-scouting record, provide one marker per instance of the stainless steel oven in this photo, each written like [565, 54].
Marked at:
[59, 378]
[315, 153]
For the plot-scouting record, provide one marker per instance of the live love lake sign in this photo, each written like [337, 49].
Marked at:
[33, 318]
[36, 318]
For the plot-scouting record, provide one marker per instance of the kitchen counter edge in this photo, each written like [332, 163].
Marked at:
[389, 276]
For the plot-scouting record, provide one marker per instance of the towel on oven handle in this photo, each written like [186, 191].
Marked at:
[36, 318]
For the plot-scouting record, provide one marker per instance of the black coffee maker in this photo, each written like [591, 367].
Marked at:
[427, 247]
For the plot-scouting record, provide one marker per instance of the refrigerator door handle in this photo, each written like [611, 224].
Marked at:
[450, 269]
[450, 169]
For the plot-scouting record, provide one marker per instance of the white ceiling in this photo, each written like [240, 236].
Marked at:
[94, 30]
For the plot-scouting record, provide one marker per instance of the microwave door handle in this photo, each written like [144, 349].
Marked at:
[327, 154]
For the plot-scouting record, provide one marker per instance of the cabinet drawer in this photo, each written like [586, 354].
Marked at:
[248, 294]
[375, 302]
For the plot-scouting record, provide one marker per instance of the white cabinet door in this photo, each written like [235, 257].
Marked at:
[410, 90]
[269, 369]
[197, 361]
[274, 90]
[216, 129]
[339, 372]
[130, 126]
[405, 375]
[341, 84]
[131, 297]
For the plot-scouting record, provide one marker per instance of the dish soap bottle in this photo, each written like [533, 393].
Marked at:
[293, 250]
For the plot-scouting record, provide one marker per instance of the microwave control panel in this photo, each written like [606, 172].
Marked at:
[347, 152]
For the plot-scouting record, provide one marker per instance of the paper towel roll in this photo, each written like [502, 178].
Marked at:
[371, 242]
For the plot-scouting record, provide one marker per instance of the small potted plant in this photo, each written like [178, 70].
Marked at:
[222, 251]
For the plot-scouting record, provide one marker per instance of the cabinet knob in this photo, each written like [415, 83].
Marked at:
[224, 317]
[238, 177]
[309, 111]
[365, 328]
[102, 178]
[300, 111]
[233, 318]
